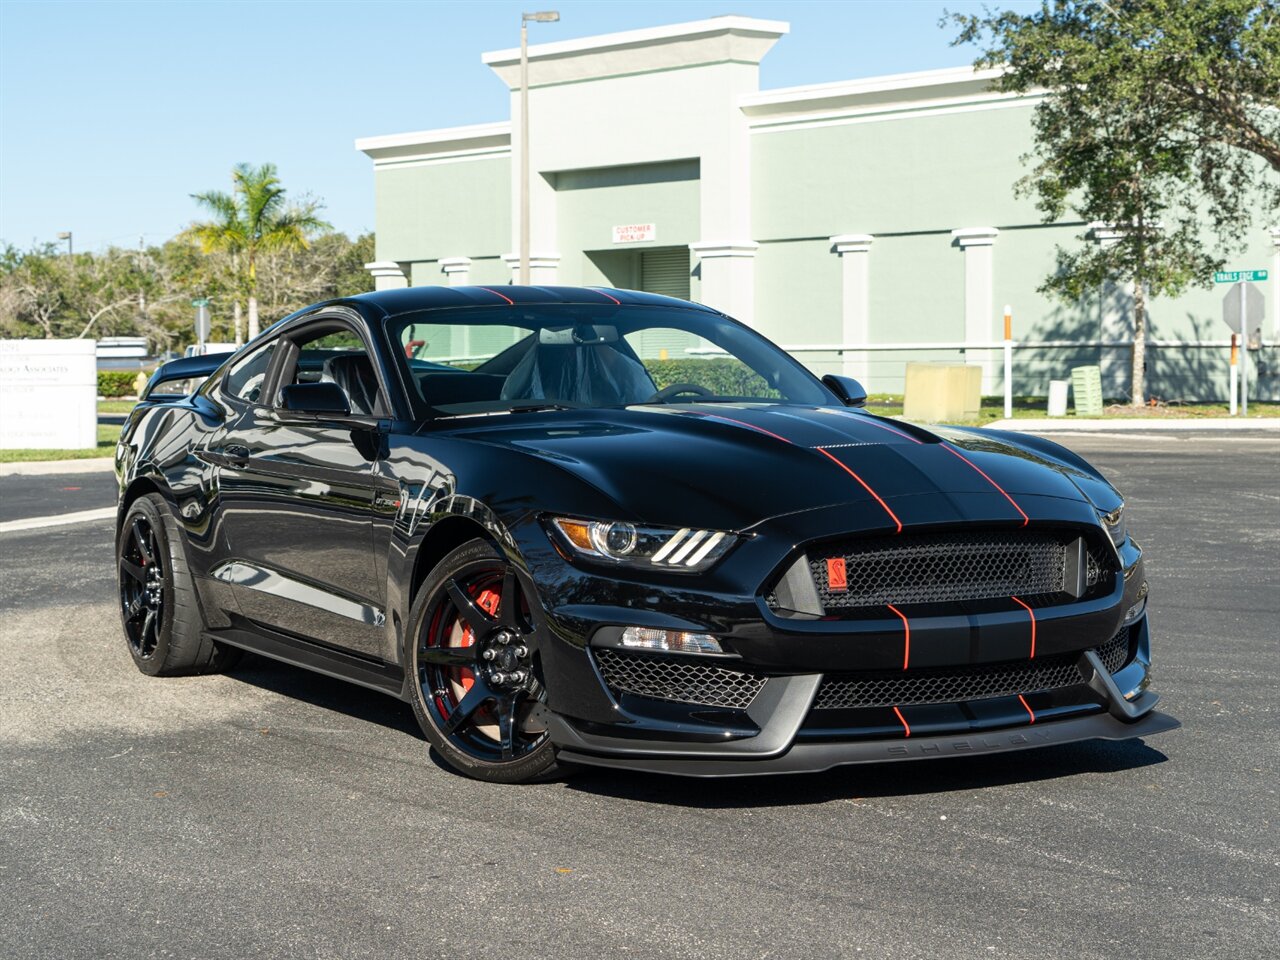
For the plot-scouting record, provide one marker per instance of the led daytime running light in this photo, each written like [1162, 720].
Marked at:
[670, 641]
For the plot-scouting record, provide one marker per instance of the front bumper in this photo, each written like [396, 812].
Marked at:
[784, 729]
[781, 731]
[792, 722]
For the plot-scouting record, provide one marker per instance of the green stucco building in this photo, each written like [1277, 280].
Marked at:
[870, 213]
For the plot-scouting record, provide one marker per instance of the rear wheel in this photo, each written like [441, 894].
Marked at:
[162, 621]
[477, 695]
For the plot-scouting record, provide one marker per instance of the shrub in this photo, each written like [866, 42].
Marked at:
[723, 376]
[116, 383]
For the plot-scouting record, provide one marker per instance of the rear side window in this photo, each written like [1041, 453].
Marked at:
[246, 378]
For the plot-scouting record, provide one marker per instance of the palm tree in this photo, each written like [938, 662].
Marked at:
[252, 220]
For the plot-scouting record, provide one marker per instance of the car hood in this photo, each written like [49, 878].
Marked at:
[731, 466]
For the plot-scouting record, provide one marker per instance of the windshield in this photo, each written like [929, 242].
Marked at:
[482, 360]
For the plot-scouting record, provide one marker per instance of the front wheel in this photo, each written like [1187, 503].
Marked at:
[477, 693]
[163, 625]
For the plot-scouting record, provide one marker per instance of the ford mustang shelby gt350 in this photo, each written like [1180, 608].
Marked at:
[592, 526]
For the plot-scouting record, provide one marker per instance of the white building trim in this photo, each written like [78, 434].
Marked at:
[633, 38]
[855, 298]
[979, 297]
[387, 275]
[448, 144]
[544, 268]
[1275, 284]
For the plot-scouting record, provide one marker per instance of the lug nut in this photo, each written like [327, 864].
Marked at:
[486, 654]
[522, 651]
[498, 677]
[517, 676]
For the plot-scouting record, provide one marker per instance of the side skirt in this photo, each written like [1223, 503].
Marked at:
[386, 678]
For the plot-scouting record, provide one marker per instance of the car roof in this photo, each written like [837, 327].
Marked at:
[408, 299]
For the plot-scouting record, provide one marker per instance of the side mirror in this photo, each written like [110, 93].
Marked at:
[317, 398]
[849, 390]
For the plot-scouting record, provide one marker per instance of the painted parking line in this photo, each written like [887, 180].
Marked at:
[58, 520]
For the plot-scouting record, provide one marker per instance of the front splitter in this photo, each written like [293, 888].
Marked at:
[816, 757]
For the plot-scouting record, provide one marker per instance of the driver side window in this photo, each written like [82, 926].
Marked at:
[335, 354]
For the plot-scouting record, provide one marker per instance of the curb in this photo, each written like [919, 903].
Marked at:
[38, 468]
[1136, 425]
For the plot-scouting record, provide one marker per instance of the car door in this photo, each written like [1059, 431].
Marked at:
[297, 496]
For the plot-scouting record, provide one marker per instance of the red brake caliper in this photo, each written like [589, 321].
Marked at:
[487, 601]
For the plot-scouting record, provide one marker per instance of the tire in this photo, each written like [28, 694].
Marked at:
[475, 676]
[159, 610]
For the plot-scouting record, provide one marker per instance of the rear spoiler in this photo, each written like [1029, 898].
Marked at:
[184, 368]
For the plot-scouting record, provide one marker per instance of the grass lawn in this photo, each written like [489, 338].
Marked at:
[115, 406]
[108, 434]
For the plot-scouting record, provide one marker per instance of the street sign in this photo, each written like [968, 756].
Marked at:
[1235, 276]
[204, 301]
[1242, 310]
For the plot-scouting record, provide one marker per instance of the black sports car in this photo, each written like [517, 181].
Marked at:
[593, 526]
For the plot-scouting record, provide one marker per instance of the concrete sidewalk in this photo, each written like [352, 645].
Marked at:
[1133, 424]
[38, 468]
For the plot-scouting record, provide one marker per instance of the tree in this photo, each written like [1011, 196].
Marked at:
[148, 291]
[252, 221]
[1161, 118]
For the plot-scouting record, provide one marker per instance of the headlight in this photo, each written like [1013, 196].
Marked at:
[686, 549]
[1114, 524]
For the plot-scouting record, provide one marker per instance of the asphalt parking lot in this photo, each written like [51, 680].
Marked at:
[276, 813]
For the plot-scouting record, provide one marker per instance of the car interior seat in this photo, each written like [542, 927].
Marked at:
[354, 374]
[578, 367]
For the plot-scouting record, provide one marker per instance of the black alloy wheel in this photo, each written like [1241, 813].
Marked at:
[142, 586]
[478, 689]
[159, 609]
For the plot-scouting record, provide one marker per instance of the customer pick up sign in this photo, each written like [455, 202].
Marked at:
[635, 233]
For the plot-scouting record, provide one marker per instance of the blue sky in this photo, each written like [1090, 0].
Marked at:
[112, 113]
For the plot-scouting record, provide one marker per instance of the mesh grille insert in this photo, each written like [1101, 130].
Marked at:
[955, 684]
[940, 568]
[677, 678]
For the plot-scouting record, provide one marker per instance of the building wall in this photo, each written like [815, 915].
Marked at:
[434, 209]
[759, 186]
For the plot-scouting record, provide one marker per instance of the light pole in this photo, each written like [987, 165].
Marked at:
[542, 16]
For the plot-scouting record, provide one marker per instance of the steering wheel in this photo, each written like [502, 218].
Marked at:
[678, 389]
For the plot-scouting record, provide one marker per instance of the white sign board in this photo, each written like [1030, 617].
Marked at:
[48, 394]
[635, 233]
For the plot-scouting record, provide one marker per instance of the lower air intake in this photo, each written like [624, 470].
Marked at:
[681, 679]
[956, 684]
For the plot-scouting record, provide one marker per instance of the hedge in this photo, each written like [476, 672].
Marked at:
[116, 383]
[723, 376]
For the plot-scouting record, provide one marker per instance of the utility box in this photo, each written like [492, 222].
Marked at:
[942, 392]
[1086, 385]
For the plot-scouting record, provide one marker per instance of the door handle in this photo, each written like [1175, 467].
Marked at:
[235, 455]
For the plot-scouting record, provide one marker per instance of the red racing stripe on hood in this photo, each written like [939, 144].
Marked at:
[865, 486]
[952, 450]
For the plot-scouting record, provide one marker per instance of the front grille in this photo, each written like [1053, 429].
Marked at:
[677, 678]
[941, 568]
[955, 684]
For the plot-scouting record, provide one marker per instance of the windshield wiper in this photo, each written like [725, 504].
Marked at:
[536, 406]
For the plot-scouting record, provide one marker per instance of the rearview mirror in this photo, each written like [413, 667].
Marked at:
[318, 398]
[849, 390]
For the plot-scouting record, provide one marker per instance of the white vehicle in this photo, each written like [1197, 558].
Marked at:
[204, 349]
